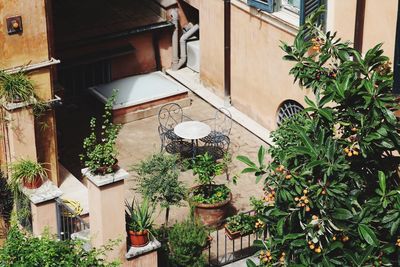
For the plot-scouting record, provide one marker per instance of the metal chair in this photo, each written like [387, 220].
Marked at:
[168, 117]
[219, 136]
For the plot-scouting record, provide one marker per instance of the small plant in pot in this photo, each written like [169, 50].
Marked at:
[100, 155]
[208, 198]
[16, 87]
[240, 225]
[29, 173]
[139, 222]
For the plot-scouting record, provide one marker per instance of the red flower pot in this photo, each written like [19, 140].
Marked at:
[35, 183]
[139, 239]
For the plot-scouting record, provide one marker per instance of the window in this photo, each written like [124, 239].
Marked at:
[298, 8]
[291, 6]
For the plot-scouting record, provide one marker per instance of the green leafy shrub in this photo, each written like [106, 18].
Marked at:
[16, 87]
[334, 167]
[157, 178]
[206, 169]
[243, 223]
[26, 170]
[187, 241]
[27, 251]
[100, 148]
[7, 201]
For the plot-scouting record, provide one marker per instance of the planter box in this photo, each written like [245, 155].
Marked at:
[265, 5]
[231, 235]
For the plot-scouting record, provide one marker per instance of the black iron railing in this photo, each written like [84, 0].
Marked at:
[68, 222]
[223, 251]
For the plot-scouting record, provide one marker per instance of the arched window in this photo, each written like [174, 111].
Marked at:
[287, 109]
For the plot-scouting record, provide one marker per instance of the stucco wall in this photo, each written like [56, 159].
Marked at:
[31, 45]
[212, 44]
[380, 25]
[341, 18]
[260, 79]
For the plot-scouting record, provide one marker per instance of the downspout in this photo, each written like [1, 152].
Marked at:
[175, 49]
[359, 26]
[227, 52]
[182, 43]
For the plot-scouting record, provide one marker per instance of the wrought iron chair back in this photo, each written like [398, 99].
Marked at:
[170, 115]
[223, 121]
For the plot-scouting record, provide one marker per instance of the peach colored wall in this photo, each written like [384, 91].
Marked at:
[380, 25]
[212, 44]
[260, 79]
[20, 134]
[148, 260]
[341, 18]
[44, 218]
[107, 219]
[31, 45]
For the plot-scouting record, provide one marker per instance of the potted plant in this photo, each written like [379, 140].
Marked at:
[208, 198]
[139, 222]
[29, 173]
[240, 225]
[100, 155]
[157, 178]
[16, 87]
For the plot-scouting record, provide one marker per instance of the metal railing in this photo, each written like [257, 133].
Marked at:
[223, 250]
[68, 222]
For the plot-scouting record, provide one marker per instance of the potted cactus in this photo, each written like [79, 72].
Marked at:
[139, 222]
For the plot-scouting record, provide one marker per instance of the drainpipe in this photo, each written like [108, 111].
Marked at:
[182, 42]
[359, 27]
[175, 49]
[227, 52]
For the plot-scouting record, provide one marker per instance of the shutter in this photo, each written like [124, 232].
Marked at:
[307, 7]
[265, 5]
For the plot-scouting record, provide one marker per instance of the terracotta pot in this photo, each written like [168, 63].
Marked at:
[231, 235]
[139, 239]
[35, 183]
[103, 170]
[211, 214]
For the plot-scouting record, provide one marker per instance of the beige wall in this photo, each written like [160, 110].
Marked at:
[212, 44]
[341, 18]
[31, 45]
[380, 25]
[260, 79]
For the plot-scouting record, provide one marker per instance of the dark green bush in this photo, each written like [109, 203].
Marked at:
[187, 241]
[26, 251]
[6, 200]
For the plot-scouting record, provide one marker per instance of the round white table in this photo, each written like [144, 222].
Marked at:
[192, 130]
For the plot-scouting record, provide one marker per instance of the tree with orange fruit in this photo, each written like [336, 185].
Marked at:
[333, 171]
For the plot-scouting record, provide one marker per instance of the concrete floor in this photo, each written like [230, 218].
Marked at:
[138, 140]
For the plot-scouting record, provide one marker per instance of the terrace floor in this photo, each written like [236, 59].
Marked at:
[139, 139]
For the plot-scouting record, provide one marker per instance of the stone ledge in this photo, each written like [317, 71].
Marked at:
[135, 252]
[83, 235]
[47, 191]
[102, 180]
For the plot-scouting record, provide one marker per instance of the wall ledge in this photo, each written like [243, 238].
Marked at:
[136, 252]
[48, 191]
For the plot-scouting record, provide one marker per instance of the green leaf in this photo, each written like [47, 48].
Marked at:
[368, 235]
[250, 263]
[261, 155]
[342, 214]
[309, 102]
[279, 226]
[246, 161]
[382, 182]
[395, 227]
[326, 113]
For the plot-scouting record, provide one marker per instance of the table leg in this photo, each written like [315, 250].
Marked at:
[193, 149]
